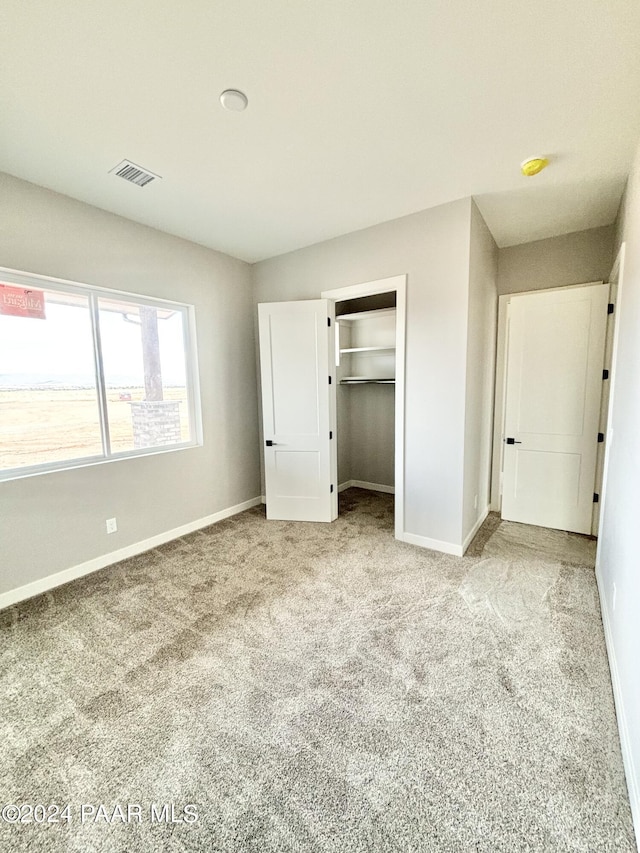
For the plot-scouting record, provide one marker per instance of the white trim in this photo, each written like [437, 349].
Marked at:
[370, 288]
[362, 484]
[373, 487]
[425, 541]
[401, 336]
[93, 293]
[475, 528]
[89, 461]
[21, 593]
[498, 414]
[367, 288]
[432, 544]
[632, 776]
[616, 277]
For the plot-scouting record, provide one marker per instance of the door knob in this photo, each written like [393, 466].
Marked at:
[512, 441]
[270, 443]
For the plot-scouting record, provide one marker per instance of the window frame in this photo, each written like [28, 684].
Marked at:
[94, 293]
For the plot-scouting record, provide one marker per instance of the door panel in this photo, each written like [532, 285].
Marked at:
[554, 382]
[556, 475]
[555, 345]
[296, 400]
[296, 348]
[298, 473]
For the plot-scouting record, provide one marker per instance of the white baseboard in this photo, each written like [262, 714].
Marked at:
[632, 775]
[432, 544]
[475, 528]
[362, 484]
[446, 547]
[410, 538]
[13, 596]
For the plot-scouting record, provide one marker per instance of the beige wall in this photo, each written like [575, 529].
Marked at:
[618, 562]
[620, 225]
[55, 521]
[371, 437]
[481, 353]
[432, 248]
[569, 259]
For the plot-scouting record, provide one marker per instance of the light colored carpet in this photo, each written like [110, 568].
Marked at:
[318, 688]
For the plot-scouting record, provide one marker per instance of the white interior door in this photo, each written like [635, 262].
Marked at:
[554, 382]
[298, 409]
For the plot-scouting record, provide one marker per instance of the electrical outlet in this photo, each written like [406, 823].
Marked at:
[112, 525]
[615, 592]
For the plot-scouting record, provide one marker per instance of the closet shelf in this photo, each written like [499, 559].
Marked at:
[366, 349]
[366, 315]
[365, 380]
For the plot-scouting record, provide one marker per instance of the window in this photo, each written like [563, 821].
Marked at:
[88, 374]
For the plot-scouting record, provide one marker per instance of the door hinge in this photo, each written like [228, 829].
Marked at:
[610, 308]
[330, 434]
[605, 374]
[329, 320]
[600, 437]
[596, 497]
[329, 380]
[331, 489]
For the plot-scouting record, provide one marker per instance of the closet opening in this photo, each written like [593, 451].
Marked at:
[369, 390]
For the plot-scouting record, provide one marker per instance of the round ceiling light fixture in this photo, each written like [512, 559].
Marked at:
[533, 165]
[234, 100]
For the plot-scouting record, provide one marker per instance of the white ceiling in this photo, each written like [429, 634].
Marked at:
[360, 111]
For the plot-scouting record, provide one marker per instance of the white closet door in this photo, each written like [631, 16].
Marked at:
[298, 409]
[554, 382]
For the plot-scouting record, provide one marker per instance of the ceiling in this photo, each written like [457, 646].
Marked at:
[360, 111]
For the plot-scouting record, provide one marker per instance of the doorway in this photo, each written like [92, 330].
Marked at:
[551, 347]
[370, 386]
[304, 354]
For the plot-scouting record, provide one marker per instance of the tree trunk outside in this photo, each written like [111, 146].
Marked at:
[151, 353]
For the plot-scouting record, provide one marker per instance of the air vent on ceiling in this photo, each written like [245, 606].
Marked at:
[133, 173]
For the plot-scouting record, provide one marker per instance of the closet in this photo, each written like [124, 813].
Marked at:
[332, 380]
[365, 373]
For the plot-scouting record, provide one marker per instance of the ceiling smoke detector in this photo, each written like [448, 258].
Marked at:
[133, 173]
[533, 165]
[234, 100]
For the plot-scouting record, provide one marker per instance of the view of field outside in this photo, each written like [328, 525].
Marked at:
[48, 398]
[39, 426]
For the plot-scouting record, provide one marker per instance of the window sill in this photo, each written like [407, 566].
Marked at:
[12, 474]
